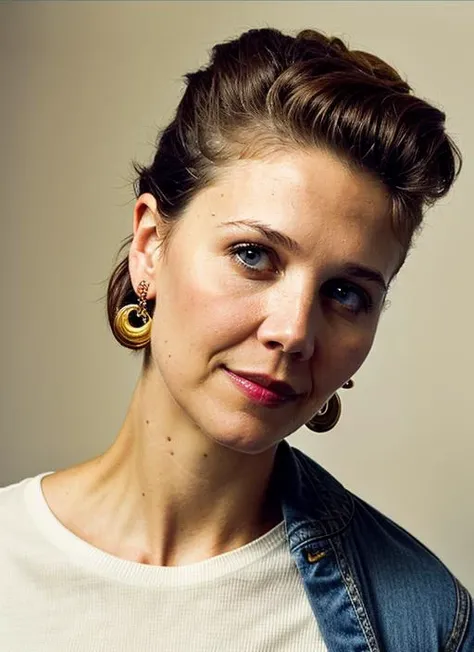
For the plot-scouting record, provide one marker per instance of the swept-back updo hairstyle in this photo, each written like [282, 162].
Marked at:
[266, 91]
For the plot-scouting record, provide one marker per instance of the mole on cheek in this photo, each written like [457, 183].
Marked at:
[168, 438]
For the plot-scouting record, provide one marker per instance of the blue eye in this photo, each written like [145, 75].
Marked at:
[252, 256]
[349, 296]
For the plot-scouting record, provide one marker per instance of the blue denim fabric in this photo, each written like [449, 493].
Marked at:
[372, 586]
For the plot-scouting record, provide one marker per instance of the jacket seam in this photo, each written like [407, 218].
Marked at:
[461, 618]
[308, 541]
[355, 597]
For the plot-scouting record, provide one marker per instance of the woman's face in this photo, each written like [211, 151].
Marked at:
[280, 270]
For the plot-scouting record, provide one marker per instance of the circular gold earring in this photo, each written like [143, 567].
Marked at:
[327, 417]
[127, 333]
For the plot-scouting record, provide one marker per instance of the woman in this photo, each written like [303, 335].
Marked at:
[280, 204]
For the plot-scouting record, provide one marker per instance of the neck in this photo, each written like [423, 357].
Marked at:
[170, 494]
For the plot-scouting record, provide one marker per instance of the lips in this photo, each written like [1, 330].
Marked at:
[278, 388]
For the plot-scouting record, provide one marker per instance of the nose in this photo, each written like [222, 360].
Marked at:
[291, 325]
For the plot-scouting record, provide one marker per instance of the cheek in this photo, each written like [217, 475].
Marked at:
[200, 311]
[343, 353]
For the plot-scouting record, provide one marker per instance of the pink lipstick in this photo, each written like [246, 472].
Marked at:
[258, 393]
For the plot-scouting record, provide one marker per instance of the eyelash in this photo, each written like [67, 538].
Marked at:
[237, 249]
[365, 298]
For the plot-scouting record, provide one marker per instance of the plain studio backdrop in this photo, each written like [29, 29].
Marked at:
[85, 88]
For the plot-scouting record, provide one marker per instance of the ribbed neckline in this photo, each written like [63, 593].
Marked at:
[84, 554]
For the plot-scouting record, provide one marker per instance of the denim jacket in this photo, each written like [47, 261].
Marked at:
[371, 585]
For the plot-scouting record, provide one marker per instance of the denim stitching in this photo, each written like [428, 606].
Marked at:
[355, 597]
[461, 618]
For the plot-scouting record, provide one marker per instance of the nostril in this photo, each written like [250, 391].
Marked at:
[274, 345]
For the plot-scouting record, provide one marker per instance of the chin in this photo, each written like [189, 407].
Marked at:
[242, 428]
[248, 447]
[249, 440]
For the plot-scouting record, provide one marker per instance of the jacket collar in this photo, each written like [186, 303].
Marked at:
[314, 504]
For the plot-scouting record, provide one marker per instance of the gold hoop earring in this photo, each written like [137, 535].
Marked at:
[327, 417]
[128, 334]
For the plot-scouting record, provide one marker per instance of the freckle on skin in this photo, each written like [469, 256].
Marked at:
[205, 454]
[168, 438]
[147, 421]
[143, 494]
[171, 453]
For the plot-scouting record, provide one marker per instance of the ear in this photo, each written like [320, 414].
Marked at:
[145, 246]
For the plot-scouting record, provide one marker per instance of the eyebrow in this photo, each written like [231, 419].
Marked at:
[367, 273]
[272, 236]
[351, 269]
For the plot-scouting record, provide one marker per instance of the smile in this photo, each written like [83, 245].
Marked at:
[257, 393]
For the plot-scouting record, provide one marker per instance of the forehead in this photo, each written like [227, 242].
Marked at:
[330, 209]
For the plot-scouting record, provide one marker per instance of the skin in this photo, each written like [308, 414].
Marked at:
[187, 477]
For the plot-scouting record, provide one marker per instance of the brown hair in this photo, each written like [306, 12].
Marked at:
[267, 90]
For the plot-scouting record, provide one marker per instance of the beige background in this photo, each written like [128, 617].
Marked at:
[84, 88]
